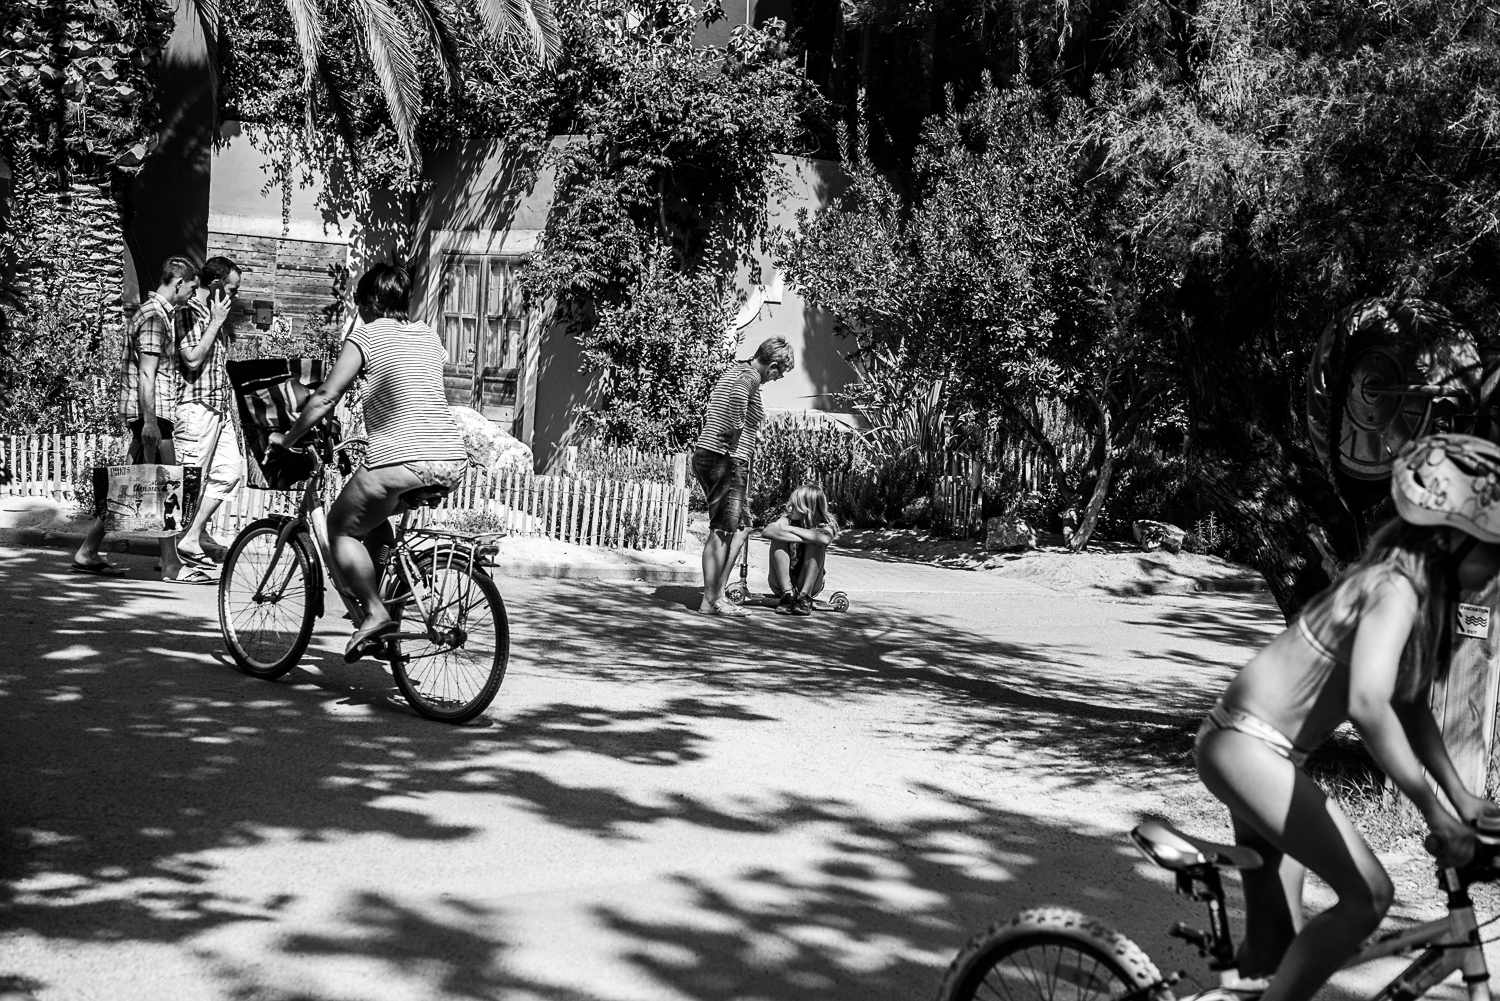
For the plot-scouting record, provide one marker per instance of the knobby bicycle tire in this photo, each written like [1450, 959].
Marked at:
[441, 683]
[260, 635]
[1052, 954]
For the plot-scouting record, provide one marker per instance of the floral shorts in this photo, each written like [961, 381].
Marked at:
[449, 473]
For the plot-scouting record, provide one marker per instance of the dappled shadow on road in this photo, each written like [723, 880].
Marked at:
[123, 708]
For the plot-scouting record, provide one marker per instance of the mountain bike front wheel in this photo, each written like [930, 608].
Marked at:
[1052, 954]
[453, 673]
[266, 608]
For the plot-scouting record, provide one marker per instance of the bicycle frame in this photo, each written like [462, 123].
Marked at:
[313, 519]
[1453, 945]
[1452, 942]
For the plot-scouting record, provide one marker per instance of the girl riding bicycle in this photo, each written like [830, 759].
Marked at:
[1367, 650]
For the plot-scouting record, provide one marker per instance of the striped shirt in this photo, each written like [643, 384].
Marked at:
[210, 386]
[150, 332]
[733, 406]
[407, 418]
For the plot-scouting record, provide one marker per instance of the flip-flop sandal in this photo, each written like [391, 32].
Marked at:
[98, 569]
[363, 643]
[198, 561]
[193, 575]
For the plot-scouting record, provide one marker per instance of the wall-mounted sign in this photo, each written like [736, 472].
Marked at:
[265, 312]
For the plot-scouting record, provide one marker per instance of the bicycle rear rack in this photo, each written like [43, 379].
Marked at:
[448, 547]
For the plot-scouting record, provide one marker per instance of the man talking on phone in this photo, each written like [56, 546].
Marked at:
[205, 437]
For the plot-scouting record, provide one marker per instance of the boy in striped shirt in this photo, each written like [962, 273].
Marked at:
[721, 463]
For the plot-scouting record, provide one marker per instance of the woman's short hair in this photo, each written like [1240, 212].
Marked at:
[776, 351]
[385, 291]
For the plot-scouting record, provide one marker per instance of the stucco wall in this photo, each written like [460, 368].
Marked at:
[821, 370]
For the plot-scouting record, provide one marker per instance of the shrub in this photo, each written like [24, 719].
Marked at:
[58, 367]
[596, 460]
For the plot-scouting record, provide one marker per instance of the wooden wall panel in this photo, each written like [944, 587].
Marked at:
[295, 274]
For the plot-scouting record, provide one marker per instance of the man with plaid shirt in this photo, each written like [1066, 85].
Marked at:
[205, 436]
[148, 389]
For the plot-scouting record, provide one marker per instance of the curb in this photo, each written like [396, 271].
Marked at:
[132, 543]
[136, 544]
[1242, 585]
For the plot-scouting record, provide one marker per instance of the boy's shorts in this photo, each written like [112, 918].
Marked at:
[724, 480]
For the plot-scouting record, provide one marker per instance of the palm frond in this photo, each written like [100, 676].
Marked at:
[534, 19]
[307, 22]
[440, 33]
[387, 39]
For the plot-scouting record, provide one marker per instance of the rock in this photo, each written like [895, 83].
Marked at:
[489, 446]
[918, 513]
[1008, 533]
[1154, 535]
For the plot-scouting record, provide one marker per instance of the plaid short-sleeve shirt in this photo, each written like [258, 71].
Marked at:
[210, 386]
[150, 332]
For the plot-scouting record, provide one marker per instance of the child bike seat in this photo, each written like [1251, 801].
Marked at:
[425, 496]
[1171, 849]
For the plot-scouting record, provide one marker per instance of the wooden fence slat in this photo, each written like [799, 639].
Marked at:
[585, 495]
[612, 513]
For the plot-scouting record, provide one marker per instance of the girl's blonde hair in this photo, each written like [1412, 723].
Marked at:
[1421, 554]
[809, 506]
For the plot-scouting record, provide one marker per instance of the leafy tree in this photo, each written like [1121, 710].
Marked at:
[996, 286]
[77, 117]
[660, 195]
[1300, 156]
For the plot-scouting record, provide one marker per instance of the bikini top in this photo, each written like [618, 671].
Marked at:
[1330, 620]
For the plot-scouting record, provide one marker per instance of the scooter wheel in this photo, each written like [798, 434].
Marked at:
[838, 601]
[736, 593]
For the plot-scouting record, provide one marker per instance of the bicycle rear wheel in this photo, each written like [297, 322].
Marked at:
[1052, 954]
[267, 628]
[453, 677]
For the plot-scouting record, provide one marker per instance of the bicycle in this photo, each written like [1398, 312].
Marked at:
[1055, 953]
[271, 591]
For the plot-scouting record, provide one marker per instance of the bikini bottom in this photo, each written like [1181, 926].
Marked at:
[1221, 717]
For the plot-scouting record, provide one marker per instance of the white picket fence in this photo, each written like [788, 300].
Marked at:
[584, 510]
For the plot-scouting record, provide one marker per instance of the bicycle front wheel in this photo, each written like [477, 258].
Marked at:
[453, 673]
[266, 611]
[1052, 954]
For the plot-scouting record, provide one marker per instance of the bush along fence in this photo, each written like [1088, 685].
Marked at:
[588, 510]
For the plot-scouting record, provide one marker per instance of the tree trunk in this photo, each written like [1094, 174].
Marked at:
[1101, 484]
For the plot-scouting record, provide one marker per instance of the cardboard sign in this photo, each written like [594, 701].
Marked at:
[1473, 620]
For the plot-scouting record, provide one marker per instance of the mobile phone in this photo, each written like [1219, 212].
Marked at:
[215, 288]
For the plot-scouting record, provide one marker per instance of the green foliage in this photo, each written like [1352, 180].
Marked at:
[661, 193]
[994, 286]
[1304, 156]
[657, 354]
[78, 115]
[594, 460]
[58, 365]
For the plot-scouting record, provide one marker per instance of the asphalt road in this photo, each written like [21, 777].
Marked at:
[659, 805]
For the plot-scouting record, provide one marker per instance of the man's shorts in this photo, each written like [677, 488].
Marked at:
[136, 423]
[724, 480]
[166, 452]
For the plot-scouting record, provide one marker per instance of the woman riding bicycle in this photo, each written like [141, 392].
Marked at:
[413, 440]
[1367, 650]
